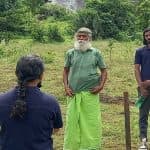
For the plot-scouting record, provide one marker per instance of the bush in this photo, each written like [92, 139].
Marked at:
[123, 36]
[6, 36]
[54, 33]
[2, 50]
[14, 49]
[58, 12]
[38, 33]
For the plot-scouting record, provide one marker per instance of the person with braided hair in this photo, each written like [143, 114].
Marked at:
[28, 117]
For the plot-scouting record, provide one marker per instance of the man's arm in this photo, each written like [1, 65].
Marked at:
[142, 85]
[97, 89]
[137, 72]
[65, 76]
[65, 81]
[103, 77]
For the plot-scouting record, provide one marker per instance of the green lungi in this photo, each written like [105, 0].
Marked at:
[83, 122]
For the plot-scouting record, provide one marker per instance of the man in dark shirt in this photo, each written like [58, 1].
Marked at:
[28, 117]
[142, 74]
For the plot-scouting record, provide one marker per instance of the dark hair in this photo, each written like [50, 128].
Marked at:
[28, 69]
[144, 40]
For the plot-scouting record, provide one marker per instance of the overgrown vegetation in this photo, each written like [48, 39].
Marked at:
[119, 59]
[45, 22]
[33, 26]
[108, 18]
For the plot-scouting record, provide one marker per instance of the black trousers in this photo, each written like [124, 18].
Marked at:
[143, 118]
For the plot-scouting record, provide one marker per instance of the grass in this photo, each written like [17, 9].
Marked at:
[119, 58]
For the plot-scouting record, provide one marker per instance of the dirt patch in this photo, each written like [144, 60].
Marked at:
[115, 100]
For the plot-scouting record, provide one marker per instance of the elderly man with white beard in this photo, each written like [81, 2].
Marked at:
[84, 77]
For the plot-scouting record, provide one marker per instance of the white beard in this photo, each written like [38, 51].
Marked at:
[82, 45]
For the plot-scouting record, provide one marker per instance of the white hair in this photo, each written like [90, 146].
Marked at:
[86, 31]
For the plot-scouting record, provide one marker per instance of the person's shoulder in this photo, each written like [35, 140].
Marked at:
[70, 51]
[7, 96]
[95, 51]
[49, 99]
[141, 48]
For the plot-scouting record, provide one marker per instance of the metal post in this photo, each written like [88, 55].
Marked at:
[127, 121]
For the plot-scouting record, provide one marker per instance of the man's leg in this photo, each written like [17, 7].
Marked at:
[143, 118]
[72, 130]
[90, 122]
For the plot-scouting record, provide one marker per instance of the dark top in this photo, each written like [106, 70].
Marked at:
[34, 131]
[142, 57]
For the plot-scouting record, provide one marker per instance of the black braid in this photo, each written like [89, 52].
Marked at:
[28, 69]
[19, 108]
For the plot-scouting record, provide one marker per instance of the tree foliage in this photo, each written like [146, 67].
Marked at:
[10, 20]
[116, 19]
[33, 5]
[143, 11]
[55, 11]
[107, 18]
[6, 5]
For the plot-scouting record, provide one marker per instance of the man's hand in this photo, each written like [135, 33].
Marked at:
[69, 91]
[96, 89]
[144, 88]
[57, 132]
[143, 91]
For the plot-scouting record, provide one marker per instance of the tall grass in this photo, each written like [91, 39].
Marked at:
[119, 57]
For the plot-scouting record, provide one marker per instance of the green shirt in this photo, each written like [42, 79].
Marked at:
[83, 65]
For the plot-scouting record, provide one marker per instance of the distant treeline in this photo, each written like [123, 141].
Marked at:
[44, 22]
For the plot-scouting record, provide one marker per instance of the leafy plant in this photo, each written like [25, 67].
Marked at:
[54, 33]
[48, 57]
[38, 33]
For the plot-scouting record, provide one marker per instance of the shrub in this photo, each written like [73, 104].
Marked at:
[6, 36]
[2, 50]
[58, 12]
[123, 36]
[38, 33]
[54, 33]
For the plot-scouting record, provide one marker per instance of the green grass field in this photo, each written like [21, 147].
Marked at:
[119, 59]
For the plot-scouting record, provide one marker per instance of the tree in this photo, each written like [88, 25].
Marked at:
[107, 18]
[13, 18]
[6, 5]
[33, 5]
[143, 11]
